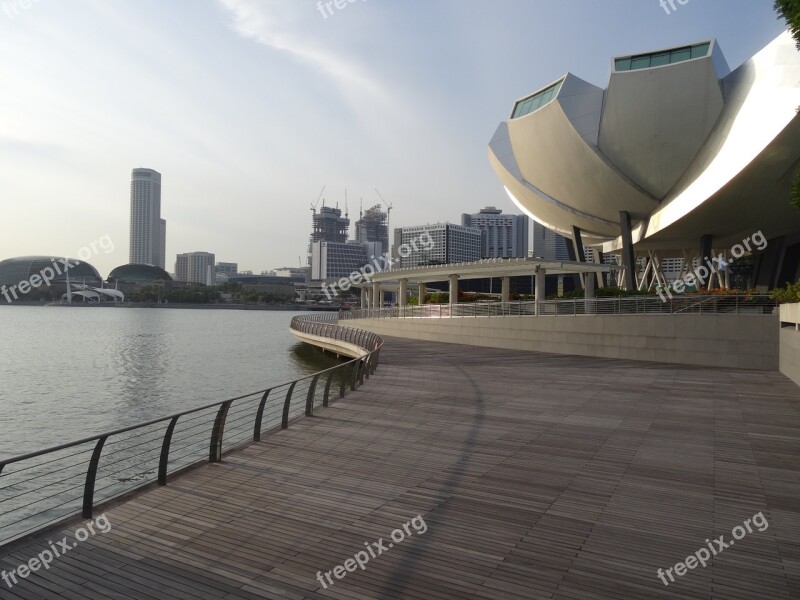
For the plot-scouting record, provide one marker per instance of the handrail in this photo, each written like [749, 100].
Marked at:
[35, 493]
[755, 304]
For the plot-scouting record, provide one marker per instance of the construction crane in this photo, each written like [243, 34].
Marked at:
[314, 206]
[388, 215]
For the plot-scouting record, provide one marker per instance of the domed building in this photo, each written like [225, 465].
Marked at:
[43, 277]
[138, 274]
[131, 278]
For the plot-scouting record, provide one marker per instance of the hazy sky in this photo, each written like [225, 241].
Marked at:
[249, 107]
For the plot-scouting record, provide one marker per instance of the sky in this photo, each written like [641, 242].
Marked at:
[249, 107]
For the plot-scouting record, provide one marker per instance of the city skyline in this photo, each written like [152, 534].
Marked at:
[244, 159]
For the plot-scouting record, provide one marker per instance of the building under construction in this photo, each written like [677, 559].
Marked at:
[328, 225]
[373, 226]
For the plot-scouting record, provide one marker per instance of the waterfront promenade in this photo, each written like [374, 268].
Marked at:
[537, 476]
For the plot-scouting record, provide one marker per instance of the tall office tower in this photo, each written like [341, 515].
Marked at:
[548, 244]
[504, 236]
[373, 226]
[148, 231]
[449, 243]
[195, 267]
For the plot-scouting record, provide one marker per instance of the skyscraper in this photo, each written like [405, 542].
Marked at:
[148, 230]
[504, 236]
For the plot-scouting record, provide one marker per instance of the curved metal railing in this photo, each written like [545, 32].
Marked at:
[40, 488]
[630, 305]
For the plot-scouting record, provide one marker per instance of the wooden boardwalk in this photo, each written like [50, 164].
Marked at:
[537, 476]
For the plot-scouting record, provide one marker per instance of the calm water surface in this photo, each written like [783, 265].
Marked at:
[71, 372]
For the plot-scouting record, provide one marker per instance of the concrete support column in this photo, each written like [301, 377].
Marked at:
[588, 291]
[403, 295]
[376, 294]
[421, 294]
[364, 298]
[505, 290]
[580, 254]
[539, 295]
[382, 299]
[705, 254]
[628, 256]
[453, 289]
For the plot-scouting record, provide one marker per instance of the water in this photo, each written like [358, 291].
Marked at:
[68, 373]
[71, 372]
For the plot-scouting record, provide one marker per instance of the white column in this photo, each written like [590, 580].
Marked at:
[453, 289]
[505, 290]
[539, 296]
[589, 289]
[376, 295]
[364, 298]
[421, 293]
[402, 295]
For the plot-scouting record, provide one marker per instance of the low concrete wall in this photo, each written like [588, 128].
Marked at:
[331, 345]
[790, 342]
[737, 341]
[790, 354]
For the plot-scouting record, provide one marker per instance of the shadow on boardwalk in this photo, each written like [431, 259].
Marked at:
[538, 476]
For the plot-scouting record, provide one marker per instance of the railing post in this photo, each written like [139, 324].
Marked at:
[328, 388]
[260, 416]
[215, 448]
[310, 398]
[362, 371]
[285, 418]
[164, 460]
[91, 477]
[343, 383]
[354, 375]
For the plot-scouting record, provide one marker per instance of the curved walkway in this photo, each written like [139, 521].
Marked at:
[535, 476]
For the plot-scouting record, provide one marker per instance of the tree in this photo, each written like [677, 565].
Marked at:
[789, 10]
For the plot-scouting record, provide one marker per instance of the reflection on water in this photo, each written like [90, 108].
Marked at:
[72, 372]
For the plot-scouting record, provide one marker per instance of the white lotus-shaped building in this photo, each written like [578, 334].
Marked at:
[692, 155]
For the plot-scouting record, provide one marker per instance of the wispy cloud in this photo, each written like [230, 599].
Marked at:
[270, 23]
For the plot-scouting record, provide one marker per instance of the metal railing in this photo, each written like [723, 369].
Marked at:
[40, 488]
[627, 305]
